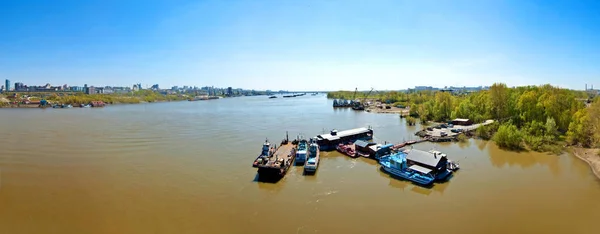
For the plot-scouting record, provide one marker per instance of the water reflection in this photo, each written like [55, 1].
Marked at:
[481, 144]
[525, 159]
[421, 190]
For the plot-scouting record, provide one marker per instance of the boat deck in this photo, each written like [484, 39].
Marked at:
[284, 151]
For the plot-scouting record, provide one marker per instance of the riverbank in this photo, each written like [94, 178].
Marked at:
[591, 157]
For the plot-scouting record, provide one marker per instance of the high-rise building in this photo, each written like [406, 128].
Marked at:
[7, 85]
[19, 86]
[229, 91]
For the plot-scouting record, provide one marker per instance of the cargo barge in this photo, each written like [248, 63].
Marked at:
[330, 141]
[274, 161]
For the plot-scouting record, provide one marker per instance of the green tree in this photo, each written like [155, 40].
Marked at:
[508, 136]
[499, 100]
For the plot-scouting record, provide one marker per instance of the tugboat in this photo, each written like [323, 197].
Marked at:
[275, 162]
[265, 154]
[301, 153]
[347, 150]
[396, 165]
[312, 163]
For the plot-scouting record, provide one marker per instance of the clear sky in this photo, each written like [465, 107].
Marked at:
[300, 45]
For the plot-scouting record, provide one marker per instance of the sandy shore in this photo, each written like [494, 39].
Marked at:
[393, 110]
[591, 157]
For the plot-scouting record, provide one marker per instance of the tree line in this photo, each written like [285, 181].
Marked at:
[540, 118]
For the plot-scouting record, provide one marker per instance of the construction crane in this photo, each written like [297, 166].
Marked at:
[353, 101]
[360, 105]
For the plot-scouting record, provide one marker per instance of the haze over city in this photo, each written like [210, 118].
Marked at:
[301, 45]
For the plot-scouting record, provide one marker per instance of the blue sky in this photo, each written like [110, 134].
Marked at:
[301, 45]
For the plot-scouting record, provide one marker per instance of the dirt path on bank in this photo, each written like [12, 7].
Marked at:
[591, 157]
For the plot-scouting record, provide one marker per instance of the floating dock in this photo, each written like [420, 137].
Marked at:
[330, 141]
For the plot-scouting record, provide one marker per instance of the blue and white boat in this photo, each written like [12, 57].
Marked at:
[312, 161]
[301, 153]
[396, 164]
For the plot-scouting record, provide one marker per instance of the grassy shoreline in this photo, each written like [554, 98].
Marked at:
[76, 99]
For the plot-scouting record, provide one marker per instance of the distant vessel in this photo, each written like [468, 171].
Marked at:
[273, 97]
[301, 153]
[275, 162]
[62, 106]
[342, 103]
[202, 98]
[312, 163]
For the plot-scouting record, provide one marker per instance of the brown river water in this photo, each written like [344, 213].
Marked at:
[185, 167]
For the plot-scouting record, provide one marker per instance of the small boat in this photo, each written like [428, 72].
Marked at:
[453, 166]
[396, 165]
[273, 97]
[301, 153]
[85, 105]
[347, 150]
[312, 162]
[266, 153]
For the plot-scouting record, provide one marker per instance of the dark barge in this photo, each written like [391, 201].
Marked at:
[330, 141]
[274, 161]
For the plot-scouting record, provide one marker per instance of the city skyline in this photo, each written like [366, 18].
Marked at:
[301, 45]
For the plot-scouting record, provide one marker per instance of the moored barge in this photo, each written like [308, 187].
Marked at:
[276, 161]
[330, 141]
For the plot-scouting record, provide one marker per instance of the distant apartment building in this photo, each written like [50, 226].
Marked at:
[20, 87]
[424, 88]
[229, 91]
[76, 89]
[121, 90]
[45, 88]
[7, 85]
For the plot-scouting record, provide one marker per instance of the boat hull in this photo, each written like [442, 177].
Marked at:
[407, 175]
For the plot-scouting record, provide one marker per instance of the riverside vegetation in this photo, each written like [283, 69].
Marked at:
[82, 98]
[539, 118]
